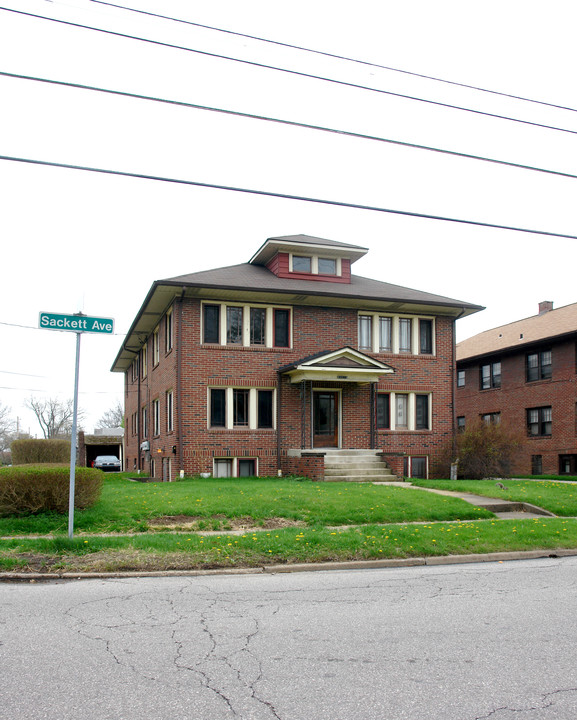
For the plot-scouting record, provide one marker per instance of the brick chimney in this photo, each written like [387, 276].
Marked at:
[545, 306]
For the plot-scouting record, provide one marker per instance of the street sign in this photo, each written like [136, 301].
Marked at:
[79, 324]
[76, 323]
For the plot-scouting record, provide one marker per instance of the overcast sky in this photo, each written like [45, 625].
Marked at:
[74, 240]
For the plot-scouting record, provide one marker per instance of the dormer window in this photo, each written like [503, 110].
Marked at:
[302, 263]
[315, 265]
[327, 266]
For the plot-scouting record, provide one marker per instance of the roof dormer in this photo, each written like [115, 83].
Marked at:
[303, 257]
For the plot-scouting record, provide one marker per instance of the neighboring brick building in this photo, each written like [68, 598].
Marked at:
[257, 368]
[524, 374]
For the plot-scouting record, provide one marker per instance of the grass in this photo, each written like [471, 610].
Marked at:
[252, 549]
[127, 506]
[559, 498]
[382, 517]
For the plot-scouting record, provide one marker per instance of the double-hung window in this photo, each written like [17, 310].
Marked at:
[385, 334]
[156, 417]
[156, 347]
[240, 407]
[539, 421]
[365, 332]
[168, 329]
[460, 378]
[281, 328]
[403, 411]
[491, 375]
[264, 409]
[233, 408]
[234, 316]
[539, 366]
[257, 326]
[425, 336]
[421, 412]
[169, 411]
[246, 325]
[405, 335]
[211, 323]
[383, 411]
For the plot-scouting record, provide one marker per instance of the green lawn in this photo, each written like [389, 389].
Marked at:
[286, 521]
[127, 506]
[559, 498]
[251, 549]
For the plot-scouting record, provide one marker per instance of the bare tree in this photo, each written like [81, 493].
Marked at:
[113, 418]
[7, 428]
[54, 416]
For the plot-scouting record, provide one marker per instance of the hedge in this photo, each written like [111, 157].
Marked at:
[29, 489]
[31, 450]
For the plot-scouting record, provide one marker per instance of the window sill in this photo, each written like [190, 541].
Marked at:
[244, 348]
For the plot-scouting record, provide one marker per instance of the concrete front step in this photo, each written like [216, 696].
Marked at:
[381, 478]
[352, 465]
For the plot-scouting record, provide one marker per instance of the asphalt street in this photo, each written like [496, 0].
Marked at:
[458, 642]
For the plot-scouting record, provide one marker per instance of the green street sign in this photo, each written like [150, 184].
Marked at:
[76, 323]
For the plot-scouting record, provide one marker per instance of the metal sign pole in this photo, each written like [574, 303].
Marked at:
[73, 442]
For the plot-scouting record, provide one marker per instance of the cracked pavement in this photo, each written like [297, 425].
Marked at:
[459, 642]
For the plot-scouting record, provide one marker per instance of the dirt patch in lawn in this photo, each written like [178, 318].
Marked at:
[220, 523]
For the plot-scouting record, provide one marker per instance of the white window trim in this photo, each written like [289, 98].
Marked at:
[376, 348]
[156, 346]
[155, 417]
[411, 412]
[235, 461]
[410, 464]
[269, 324]
[252, 408]
[170, 411]
[169, 331]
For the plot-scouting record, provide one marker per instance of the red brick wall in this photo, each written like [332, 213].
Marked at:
[515, 396]
[315, 330]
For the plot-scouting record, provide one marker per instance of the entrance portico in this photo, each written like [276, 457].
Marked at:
[326, 381]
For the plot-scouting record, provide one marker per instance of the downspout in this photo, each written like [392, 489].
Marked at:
[138, 416]
[373, 440]
[278, 420]
[178, 340]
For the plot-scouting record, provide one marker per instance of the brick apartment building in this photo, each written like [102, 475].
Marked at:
[524, 374]
[270, 366]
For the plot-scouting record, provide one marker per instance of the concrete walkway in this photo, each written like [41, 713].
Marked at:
[506, 509]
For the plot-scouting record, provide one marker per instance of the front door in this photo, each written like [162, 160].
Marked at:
[326, 419]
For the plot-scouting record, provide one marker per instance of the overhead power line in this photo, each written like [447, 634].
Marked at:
[333, 55]
[297, 73]
[291, 123]
[284, 196]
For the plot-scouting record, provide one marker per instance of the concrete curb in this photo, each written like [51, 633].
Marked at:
[301, 567]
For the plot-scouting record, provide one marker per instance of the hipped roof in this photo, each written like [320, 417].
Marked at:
[534, 329]
[254, 283]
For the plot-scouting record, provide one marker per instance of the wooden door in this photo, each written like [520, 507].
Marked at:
[326, 419]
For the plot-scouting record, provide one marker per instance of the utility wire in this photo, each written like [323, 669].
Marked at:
[291, 123]
[310, 76]
[283, 196]
[334, 55]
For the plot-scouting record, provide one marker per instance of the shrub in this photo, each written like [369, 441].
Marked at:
[30, 450]
[483, 450]
[29, 489]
